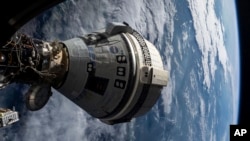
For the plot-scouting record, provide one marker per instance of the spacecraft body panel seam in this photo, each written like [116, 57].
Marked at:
[129, 93]
[121, 73]
[76, 77]
[133, 96]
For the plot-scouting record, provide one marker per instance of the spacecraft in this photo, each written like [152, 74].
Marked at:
[114, 74]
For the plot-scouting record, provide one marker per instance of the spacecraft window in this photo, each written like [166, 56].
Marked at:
[120, 83]
[121, 71]
[121, 59]
[90, 67]
[113, 49]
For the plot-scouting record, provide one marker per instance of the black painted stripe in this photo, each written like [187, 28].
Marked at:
[130, 84]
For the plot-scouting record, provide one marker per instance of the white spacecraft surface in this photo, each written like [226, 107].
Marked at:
[114, 74]
[8, 117]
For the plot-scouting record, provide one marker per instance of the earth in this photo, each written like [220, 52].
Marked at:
[198, 42]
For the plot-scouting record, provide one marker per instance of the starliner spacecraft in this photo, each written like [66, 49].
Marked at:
[114, 74]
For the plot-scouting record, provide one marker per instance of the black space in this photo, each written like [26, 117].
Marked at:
[244, 31]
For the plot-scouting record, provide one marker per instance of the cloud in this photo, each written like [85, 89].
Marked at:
[209, 36]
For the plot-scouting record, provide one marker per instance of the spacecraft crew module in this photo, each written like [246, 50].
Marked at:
[114, 74]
